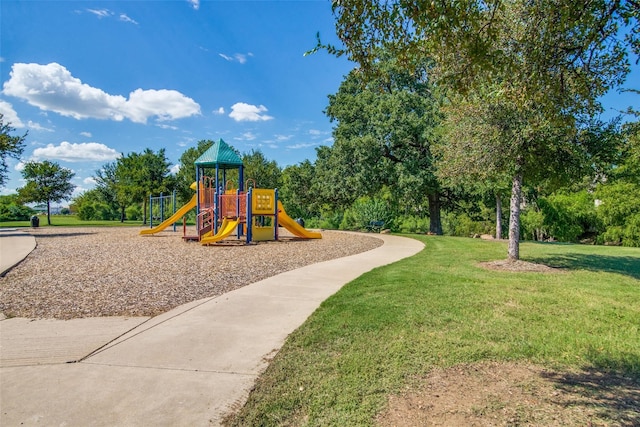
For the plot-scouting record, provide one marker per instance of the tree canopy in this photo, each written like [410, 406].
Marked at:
[10, 147]
[520, 74]
[46, 182]
[385, 128]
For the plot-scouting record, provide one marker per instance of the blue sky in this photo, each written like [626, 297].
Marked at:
[90, 80]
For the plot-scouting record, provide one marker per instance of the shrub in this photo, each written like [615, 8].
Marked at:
[412, 224]
[364, 211]
[11, 210]
[460, 224]
[134, 212]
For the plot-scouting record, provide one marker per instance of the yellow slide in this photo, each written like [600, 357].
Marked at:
[287, 222]
[227, 227]
[174, 218]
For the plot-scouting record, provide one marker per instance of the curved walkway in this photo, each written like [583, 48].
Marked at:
[15, 245]
[187, 367]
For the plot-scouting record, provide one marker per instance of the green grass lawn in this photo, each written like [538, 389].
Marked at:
[69, 221]
[437, 309]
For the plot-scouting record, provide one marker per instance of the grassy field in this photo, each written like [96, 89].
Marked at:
[439, 309]
[69, 221]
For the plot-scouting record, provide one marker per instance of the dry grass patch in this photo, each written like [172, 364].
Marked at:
[513, 394]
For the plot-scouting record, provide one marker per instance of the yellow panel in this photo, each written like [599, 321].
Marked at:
[263, 201]
[261, 234]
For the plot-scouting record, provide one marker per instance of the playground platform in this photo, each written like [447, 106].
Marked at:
[188, 367]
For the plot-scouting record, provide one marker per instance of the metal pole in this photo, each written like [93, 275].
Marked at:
[239, 230]
[150, 211]
[275, 215]
[174, 209]
[249, 216]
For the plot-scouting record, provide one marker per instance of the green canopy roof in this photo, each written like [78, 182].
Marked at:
[220, 154]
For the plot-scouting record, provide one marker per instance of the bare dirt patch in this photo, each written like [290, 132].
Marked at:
[518, 266]
[515, 394]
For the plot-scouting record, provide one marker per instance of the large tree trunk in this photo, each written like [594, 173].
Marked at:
[122, 213]
[514, 218]
[48, 212]
[498, 217]
[435, 223]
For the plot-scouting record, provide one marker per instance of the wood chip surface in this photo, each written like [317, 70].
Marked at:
[89, 272]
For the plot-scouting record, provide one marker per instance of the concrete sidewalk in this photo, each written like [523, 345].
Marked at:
[15, 245]
[188, 367]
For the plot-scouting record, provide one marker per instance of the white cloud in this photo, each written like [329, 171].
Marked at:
[86, 134]
[237, 57]
[37, 126]
[175, 169]
[247, 136]
[195, 4]
[19, 166]
[219, 111]
[241, 112]
[106, 13]
[51, 87]
[301, 145]
[101, 13]
[89, 181]
[282, 138]
[164, 126]
[124, 18]
[314, 132]
[10, 115]
[86, 151]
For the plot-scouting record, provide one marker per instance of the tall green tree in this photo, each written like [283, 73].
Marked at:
[138, 175]
[297, 192]
[46, 182]
[385, 128]
[619, 194]
[10, 147]
[266, 173]
[109, 185]
[187, 173]
[540, 63]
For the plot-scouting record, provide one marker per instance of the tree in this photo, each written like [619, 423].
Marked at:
[187, 173]
[46, 182]
[265, 173]
[541, 64]
[619, 194]
[296, 190]
[12, 210]
[140, 174]
[10, 146]
[110, 189]
[384, 133]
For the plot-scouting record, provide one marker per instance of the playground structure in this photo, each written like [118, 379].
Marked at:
[250, 214]
[162, 207]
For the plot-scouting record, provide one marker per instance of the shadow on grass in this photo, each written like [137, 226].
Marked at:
[612, 396]
[626, 265]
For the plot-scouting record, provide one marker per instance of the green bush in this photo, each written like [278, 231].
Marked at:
[412, 224]
[96, 211]
[560, 216]
[12, 210]
[619, 211]
[364, 211]
[134, 212]
[532, 224]
[460, 224]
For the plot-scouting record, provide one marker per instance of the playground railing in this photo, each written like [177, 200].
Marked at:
[232, 205]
